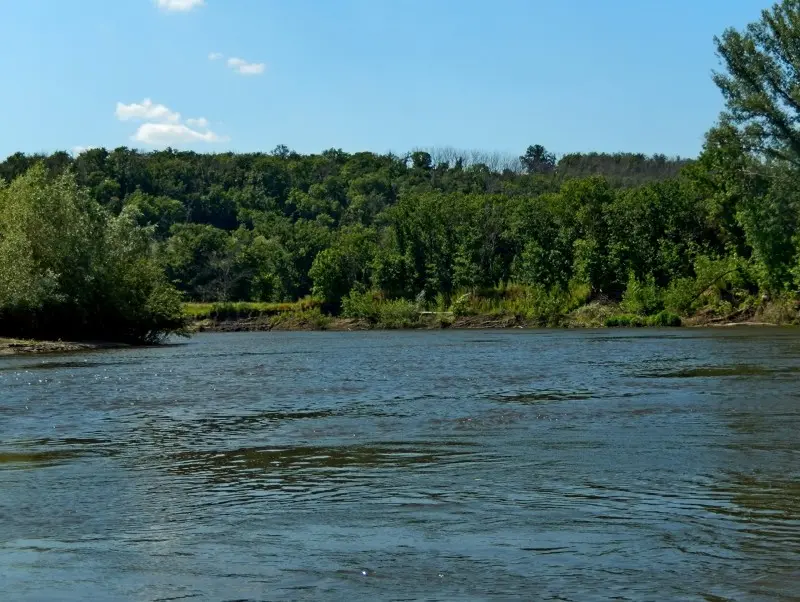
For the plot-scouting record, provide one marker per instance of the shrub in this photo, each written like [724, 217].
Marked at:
[641, 298]
[397, 313]
[461, 306]
[593, 315]
[681, 296]
[664, 319]
[361, 306]
[625, 321]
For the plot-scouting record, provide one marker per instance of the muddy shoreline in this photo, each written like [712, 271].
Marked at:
[264, 324]
[31, 347]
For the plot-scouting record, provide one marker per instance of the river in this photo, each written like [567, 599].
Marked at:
[466, 465]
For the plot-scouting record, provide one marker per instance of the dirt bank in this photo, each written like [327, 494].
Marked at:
[20, 346]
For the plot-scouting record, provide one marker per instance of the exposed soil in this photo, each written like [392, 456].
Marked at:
[20, 346]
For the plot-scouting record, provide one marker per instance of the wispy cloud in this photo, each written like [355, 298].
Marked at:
[215, 56]
[242, 67]
[164, 134]
[165, 127]
[178, 6]
[200, 122]
[147, 111]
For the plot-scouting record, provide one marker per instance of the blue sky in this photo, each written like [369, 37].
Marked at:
[380, 75]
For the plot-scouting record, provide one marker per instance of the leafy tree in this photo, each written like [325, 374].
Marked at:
[69, 269]
[760, 83]
[538, 160]
[345, 265]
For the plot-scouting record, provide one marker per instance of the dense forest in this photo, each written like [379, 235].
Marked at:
[101, 242]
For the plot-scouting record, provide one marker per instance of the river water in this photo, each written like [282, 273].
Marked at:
[452, 465]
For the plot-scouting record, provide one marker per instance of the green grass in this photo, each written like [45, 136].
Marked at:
[662, 319]
[244, 309]
[625, 321]
[529, 303]
[306, 319]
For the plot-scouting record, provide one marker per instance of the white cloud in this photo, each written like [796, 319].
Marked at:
[179, 5]
[242, 67]
[146, 111]
[77, 150]
[200, 122]
[163, 127]
[215, 56]
[164, 134]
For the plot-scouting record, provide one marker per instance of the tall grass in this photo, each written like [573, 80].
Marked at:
[534, 304]
[245, 309]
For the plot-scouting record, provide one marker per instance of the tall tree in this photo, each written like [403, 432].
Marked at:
[761, 82]
[538, 160]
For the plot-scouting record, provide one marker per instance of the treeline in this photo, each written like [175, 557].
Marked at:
[280, 226]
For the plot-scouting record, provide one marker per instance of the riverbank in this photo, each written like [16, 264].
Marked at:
[28, 346]
[307, 316]
[592, 315]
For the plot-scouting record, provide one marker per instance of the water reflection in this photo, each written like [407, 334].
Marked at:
[312, 463]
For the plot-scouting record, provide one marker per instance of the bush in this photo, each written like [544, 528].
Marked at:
[625, 321]
[461, 306]
[383, 313]
[397, 313]
[664, 319]
[641, 298]
[362, 306]
[681, 296]
[242, 310]
[593, 315]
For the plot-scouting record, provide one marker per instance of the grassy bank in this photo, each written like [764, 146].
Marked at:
[501, 307]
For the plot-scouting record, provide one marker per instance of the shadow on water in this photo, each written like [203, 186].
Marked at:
[539, 396]
[311, 463]
[35, 459]
[50, 452]
[224, 422]
[718, 371]
[65, 365]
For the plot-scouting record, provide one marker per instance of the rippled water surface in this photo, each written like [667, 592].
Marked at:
[563, 465]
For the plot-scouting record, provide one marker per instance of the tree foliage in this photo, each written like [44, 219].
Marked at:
[760, 81]
[70, 269]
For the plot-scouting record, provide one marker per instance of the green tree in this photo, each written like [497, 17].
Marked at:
[69, 269]
[538, 160]
[345, 265]
[761, 85]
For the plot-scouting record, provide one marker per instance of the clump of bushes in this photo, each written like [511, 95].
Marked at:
[662, 319]
[529, 303]
[625, 321]
[641, 297]
[374, 308]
